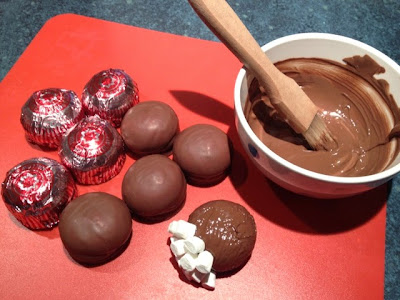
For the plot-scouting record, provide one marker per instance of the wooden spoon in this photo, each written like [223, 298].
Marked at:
[395, 132]
[285, 94]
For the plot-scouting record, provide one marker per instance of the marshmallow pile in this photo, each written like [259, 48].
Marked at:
[189, 251]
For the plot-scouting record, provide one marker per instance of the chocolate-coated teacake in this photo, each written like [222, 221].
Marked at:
[48, 114]
[93, 150]
[95, 227]
[149, 128]
[203, 152]
[36, 191]
[154, 187]
[228, 230]
[110, 94]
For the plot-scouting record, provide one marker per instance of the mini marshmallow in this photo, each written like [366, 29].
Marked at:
[194, 245]
[188, 262]
[190, 254]
[182, 229]
[173, 239]
[172, 227]
[177, 247]
[204, 262]
[188, 275]
[209, 281]
[177, 259]
[198, 276]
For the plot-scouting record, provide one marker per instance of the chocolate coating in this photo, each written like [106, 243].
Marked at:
[95, 227]
[154, 187]
[228, 230]
[149, 128]
[204, 153]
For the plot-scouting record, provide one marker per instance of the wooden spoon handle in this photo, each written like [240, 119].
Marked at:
[282, 90]
[226, 25]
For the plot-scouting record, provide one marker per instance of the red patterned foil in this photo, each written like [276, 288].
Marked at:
[48, 114]
[93, 150]
[36, 191]
[110, 94]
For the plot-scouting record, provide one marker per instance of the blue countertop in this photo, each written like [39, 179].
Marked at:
[376, 23]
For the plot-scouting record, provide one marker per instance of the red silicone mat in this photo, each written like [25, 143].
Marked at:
[305, 249]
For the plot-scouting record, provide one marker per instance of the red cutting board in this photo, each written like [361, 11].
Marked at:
[305, 249]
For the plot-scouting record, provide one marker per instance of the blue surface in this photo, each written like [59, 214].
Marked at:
[376, 23]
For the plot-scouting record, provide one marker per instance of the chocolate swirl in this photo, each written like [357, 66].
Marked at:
[357, 107]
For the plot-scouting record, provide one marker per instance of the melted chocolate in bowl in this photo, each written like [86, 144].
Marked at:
[357, 107]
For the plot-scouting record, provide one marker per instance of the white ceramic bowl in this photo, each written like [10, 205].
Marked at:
[279, 170]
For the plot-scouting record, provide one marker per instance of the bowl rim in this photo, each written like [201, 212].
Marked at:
[383, 175]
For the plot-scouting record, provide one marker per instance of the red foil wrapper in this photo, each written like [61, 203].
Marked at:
[48, 114]
[36, 191]
[93, 150]
[110, 94]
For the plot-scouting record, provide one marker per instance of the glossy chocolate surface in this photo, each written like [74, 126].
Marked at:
[154, 187]
[95, 227]
[356, 106]
[204, 153]
[228, 230]
[149, 128]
